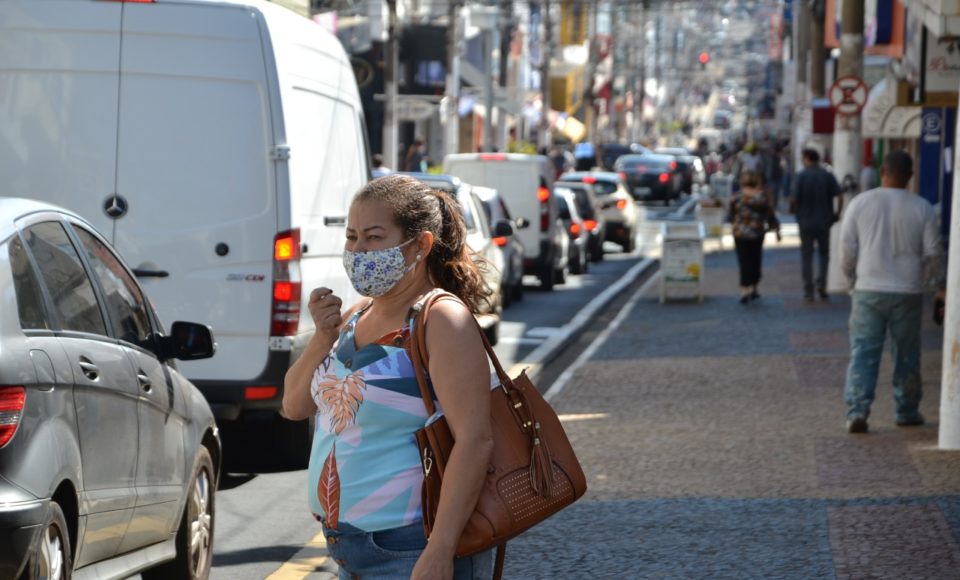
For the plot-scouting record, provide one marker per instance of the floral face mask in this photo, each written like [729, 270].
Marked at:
[375, 273]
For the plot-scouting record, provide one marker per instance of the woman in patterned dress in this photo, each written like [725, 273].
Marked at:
[751, 215]
[404, 241]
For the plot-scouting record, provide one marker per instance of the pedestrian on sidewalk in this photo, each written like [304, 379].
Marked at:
[751, 216]
[815, 190]
[404, 241]
[890, 250]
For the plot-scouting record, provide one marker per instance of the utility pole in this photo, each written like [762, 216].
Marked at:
[801, 43]
[489, 25]
[589, 91]
[451, 140]
[506, 44]
[818, 52]
[847, 143]
[391, 135]
[640, 91]
[950, 382]
[615, 12]
[547, 50]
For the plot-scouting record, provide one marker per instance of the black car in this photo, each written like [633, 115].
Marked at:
[610, 152]
[651, 177]
[689, 165]
[109, 457]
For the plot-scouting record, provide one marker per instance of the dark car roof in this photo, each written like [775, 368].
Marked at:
[648, 158]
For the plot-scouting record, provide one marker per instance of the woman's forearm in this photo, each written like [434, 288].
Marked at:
[463, 480]
[297, 402]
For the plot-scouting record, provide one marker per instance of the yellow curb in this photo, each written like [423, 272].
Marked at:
[306, 561]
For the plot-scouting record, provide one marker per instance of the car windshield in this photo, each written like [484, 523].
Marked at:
[642, 164]
[604, 187]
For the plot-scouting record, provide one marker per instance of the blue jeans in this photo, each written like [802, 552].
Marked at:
[872, 315]
[392, 554]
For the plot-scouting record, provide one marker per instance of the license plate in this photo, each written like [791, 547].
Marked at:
[642, 191]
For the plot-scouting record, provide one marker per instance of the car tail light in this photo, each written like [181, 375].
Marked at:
[574, 231]
[589, 179]
[260, 393]
[673, 165]
[621, 204]
[500, 241]
[492, 157]
[12, 400]
[543, 194]
[285, 311]
[590, 225]
[623, 176]
[664, 177]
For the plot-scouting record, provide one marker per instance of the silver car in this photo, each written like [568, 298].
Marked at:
[109, 457]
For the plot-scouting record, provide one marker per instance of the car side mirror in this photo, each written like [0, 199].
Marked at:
[522, 223]
[502, 229]
[187, 341]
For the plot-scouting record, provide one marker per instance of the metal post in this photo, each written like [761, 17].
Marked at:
[391, 134]
[818, 52]
[801, 39]
[506, 43]
[451, 141]
[545, 138]
[589, 88]
[950, 382]
[640, 92]
[488, 89]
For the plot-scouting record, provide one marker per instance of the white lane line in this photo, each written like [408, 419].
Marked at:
[519, 340]
[558, 385]
[535, 360]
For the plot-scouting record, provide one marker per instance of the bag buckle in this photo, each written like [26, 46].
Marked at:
[427, 461]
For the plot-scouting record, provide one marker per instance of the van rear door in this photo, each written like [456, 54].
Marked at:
[58, 103]
[194, 158]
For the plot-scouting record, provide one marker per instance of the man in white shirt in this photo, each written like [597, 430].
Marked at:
[890, 251]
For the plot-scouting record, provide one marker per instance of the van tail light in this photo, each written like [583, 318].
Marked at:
[623, 175]
[621, 204]
[664, 177]
[500, 241]
[285, 311]
[590, 225]
[12, 400]
[589, 179]
[492, 157]
[260, 393]
[543, 194]
[574, 231]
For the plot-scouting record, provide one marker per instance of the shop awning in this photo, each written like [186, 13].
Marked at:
[884, 119]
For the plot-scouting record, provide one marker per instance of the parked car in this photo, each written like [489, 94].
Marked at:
[496, 211]
[480, 239]
[610, 152]
[524, 181]
[109, 456]
[575, 229]
[588, 208]
[229, 201]
[620, 212]
[689, 165]
[650, 177]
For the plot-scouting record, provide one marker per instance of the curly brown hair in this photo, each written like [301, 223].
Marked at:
[417, 208]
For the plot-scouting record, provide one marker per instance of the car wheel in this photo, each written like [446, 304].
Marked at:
[560, 274]
[51, 557]
[518, 291]
[506, 296]
[195, 536]
[577, 267]
[630, 244]
[596, 253]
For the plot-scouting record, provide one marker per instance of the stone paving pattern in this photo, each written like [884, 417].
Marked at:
[722, 450]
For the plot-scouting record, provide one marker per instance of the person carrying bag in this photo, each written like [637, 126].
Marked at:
[533, 470]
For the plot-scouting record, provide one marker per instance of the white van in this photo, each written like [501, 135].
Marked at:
[217, 144]
[525, 182]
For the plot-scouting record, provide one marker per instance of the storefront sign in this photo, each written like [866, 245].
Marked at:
[942, 65]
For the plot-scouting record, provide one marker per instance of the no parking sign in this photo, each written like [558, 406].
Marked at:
[848, 95]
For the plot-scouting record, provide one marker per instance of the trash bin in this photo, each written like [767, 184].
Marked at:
[721, 186]
[710, 214]
[681, 261]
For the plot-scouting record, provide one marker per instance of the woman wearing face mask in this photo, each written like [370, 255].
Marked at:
[404, 241]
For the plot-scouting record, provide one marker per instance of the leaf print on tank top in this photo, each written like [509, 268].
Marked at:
[341, 398]
[328, 490]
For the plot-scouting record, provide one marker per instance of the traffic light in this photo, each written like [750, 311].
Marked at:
[704, 59]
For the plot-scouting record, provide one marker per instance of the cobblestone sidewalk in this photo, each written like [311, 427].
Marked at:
[714, 442]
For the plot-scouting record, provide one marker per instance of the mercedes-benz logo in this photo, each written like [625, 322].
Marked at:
[115, 206]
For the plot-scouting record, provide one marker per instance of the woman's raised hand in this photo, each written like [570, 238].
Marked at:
[325, 308]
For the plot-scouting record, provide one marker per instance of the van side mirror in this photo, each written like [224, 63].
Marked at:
[502, 229]
[187, 341]
[521, 223]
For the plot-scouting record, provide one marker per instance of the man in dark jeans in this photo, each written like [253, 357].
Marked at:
[815, 188]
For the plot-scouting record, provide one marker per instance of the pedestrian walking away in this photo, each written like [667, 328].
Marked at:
[404, 242]
[379, 169]
[815, 190]
[890, 252]
[751, 217]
